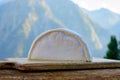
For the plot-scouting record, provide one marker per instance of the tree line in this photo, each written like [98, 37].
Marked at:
[113, 49]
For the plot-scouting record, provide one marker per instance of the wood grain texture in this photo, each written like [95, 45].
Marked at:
[36, 67]
[6, 64]
[98, 74]
[24, 64]
[81, 71]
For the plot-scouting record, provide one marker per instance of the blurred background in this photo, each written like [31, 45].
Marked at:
[21, 21]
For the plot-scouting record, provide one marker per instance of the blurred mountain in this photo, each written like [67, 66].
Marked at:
[21, 21]
[4, 1]
[106, 19]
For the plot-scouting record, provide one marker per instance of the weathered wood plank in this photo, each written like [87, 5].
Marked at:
[6, 64]
[50, 71]
[25, 64]
[98, 74]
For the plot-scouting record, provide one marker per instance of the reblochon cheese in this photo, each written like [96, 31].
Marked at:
[59, 44]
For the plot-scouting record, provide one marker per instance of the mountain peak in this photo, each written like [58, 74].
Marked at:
[101, 10]
[104, 11]
[28, 18]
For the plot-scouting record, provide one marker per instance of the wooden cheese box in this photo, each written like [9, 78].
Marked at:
[25, 64]
[21, 69]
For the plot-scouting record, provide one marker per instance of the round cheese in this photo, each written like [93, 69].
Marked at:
[59, 44]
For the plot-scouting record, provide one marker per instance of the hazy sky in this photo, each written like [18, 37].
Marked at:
[4, 1]
[113, 5]
[1, 1]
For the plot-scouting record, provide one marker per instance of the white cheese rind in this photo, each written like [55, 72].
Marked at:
[59, 44]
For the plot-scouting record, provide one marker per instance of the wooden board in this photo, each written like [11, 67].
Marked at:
[24, 64]
[96, 74]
